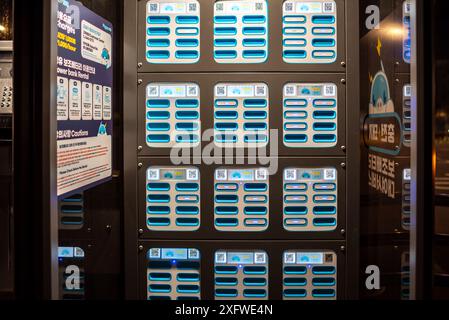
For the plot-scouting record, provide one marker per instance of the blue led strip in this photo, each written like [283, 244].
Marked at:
[173, 115]
[241, 31]
[309, 31]
[173, 274]
[241, 199]
[173, 31]
[309, 275]
[310, 115]
[242, 275]
[310, 199]
[241, 115]
[173, 199]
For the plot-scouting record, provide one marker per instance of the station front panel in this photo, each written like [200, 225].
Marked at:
[407, 114]
[310, 199]
[406, 198]
[309, 31]
[304, 199]
[71, 259]
[310, 115]
[241, 275]
[173, 274]
[241, 35]
[406, 23]
[71, 213]
[6, 96]
[172, 115]
[217, 80]
[241, 199]
[173, 198]
[309, 275]
[241, 31]
[173, 31]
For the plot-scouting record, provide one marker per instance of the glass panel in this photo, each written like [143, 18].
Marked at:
[385, 51]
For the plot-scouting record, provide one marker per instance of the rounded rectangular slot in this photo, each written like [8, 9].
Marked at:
[302, 210]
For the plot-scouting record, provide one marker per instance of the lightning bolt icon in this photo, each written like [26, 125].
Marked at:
[379, 46]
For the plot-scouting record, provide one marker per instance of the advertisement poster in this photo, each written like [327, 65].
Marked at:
[84, 98]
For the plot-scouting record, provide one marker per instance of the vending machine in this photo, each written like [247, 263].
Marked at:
[241, 139]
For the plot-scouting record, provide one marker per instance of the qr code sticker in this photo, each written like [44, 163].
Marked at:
[155, 253]
[288, 7]
[330, 90]
[220, 257]
[153, 174]
[153, 7]
[153, 91]
[192, 91]
[261, 174]
[328, 7]
[193, 7]
[259, 6]
[289, 257]
[407, 174]
[407, 91]
[290, 174]
[330, 174]
[79, 253]
[192, 174]
[261, 91]
[219, 6]
[290, 91]
[260, 258]
[194, 254]
[407, 7]
[220, 91]
[221, 174]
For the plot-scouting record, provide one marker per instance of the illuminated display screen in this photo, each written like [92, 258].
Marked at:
[173, 254]
[310, 258]
[240, 258]
[70, 252]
